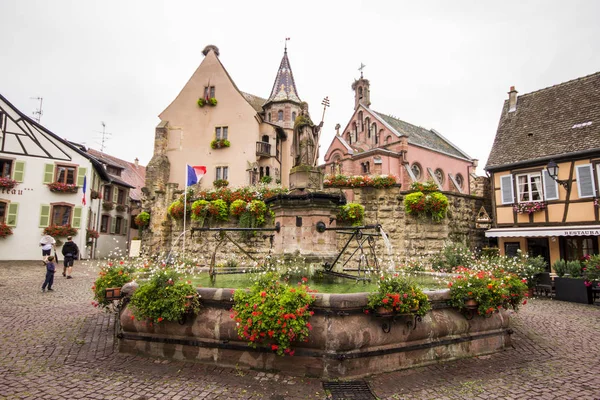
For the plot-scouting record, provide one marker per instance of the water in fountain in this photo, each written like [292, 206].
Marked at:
[388, 247]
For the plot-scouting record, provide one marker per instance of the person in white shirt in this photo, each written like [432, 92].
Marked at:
[48, 243]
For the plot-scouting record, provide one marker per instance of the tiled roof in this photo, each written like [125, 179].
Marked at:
[421, 136]
[284, 88]
[255, 101]
[557, 120]
[134, 175]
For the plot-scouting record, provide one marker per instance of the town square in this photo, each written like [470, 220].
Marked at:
[189, 213]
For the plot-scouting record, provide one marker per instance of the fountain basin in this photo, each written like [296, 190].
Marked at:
[344, 342]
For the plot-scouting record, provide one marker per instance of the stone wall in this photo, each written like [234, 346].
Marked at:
[408, 235]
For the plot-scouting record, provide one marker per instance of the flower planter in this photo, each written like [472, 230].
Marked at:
[573, 290]
[471, 304]
[113, 294]
[384, 312]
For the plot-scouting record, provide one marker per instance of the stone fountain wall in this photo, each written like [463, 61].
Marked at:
[409, 235]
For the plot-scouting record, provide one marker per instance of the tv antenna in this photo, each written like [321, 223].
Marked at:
[105, 136]
[37, 114]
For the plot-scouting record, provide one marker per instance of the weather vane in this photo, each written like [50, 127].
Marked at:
[286, 40]
[362, 66]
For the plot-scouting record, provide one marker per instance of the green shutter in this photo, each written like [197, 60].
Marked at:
[80, 175]
[48, 174]
[115, 194]
[44, 216]
[76, 218]
[11, 217]
[113, 223]
[125, 226]
[19, 171]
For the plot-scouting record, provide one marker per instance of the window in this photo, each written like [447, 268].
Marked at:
[460, 181]
[209, 91]
[529, 187]
[439, 174]
[368, 124]
[294, 116]
[61, 215]
[511, 249]
[222, 173]
[269, 116]
[3, 210]
[265, 138]
[388, 139]
[5, 168]
[361, 121]
[113, 170]
[118, 225]
[221, 132]
[107, 195]
[104, 224]
[374, 132]
[280, 115]
[121, 197]
[349, 136]
[416, 170]
[585, 181]
[577, 247]
[267, 171]
[65, 174]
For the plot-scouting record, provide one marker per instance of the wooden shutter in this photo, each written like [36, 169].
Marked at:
[113, 224]
[76, 222]
[125, 224]
[19, 171]
[115, 194]
[11, 216]
[48, 173]
[44, 215]
[550, 186]
[506, 187]
[585, 181]
[81, 172]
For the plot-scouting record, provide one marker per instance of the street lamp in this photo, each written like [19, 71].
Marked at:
[552, 168]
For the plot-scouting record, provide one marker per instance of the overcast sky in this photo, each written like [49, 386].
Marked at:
[446, 65]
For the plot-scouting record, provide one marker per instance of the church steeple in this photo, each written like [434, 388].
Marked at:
[284, 88]
[362, 92]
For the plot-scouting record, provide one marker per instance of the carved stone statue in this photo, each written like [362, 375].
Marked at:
[305, 146]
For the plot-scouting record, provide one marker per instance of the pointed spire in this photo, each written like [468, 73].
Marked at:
[284, 88]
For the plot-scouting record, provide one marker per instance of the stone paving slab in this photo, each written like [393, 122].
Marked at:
[56, 345]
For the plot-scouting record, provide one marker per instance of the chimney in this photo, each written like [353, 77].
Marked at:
[512, 99]
[136, 162]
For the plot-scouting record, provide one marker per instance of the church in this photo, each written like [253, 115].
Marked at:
[373, 143]
[239, 137]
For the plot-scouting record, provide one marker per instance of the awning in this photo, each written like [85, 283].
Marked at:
[584, 230]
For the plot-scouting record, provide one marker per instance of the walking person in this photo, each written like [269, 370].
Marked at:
[70, 252]
[50, 270]
[48, 243]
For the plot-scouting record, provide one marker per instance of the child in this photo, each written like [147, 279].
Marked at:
[50, 270]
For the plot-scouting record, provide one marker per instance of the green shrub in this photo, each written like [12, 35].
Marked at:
[574, 269]
[237, 208]
[111, 276]
[352, 213]
[560, 267]
[453, 255]
[592, 268]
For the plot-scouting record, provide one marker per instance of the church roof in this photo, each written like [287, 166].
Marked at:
[284, 88]
[428, 138]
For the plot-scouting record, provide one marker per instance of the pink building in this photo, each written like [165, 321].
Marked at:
[373, 143]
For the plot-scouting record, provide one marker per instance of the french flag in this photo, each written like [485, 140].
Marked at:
[194, 174]
[83, 202]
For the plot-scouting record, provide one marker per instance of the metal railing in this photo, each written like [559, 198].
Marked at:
[263, 149]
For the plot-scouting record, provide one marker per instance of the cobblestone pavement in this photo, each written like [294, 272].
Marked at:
[55, 345]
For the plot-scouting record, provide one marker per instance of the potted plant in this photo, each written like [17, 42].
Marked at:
[220, 143]
[212, 101]
[397, 295]
[5, 230]
[142, 219]
[111, 279]
[94, 194]
[273, 314]
[91, 234]
[164, 297]
[59, 187]
[351, 213]
[572, 285]
[201, 102]
[7, 183]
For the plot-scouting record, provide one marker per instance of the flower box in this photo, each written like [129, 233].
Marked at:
[529, 207]
[59, 187]
[121, 208]
[94, 194]
[573, 290]
[5, 230]
[60, 231]
[113, 294]
[107, 206]
[220, 143]
[7, 183]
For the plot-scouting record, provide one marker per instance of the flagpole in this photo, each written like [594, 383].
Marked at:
[184, 208]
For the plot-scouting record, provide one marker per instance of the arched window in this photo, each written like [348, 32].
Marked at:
[388, 139]
[368, 124]
[267, 171]
[360, 92]
[417, 171]
[262, 172]
[374, 132]
[294, 116]
[360, 121]
[439, 174]
[265, 138]
[460, 180]
[269, 116]
[280, 115]
[349, 136]
[377, 136]
[368, 164]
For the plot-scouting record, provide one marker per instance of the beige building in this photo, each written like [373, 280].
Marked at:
[237, 136]
[545, 172]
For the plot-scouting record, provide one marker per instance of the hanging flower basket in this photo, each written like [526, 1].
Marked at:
[94, 194]
[530, 207]
[5, 230]
[142, 219]
[7, 183]
[59, 187]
